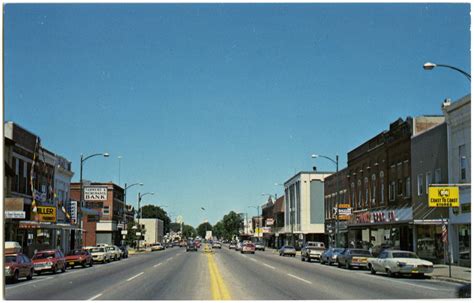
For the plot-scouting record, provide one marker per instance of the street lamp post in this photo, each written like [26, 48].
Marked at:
[337, 192]
[125, 202]
[205, 225]
[430, 66]
[140, 196]
[84, 159]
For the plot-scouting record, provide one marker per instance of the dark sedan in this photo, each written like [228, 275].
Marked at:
[353, 257]
[191, 245]
[329, 256]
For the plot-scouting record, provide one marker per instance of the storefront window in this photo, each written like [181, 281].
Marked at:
[464, 234]
[429, 244]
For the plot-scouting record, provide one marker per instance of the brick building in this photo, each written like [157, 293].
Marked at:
[102, 213]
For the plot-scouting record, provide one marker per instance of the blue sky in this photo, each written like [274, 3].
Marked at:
[210, 105]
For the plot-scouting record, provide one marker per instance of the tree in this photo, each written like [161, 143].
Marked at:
[189, 231]
[232, 223]
[175, 226]
[202, 228]
[152, 211]
[131, 237]
[218, 230]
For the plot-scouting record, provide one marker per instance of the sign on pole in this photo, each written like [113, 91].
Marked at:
[447, 196]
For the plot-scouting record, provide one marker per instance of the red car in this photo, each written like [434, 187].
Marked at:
[79, 257]
[18, 266]
[248, 248]
[49, 260]
[197, 243]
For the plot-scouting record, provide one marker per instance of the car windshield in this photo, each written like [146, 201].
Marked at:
[9, 259]
[338, 250]
[43, 255]
[360, 252]
[405, 254]
[74, 253]
[98, 249]
[288, 247]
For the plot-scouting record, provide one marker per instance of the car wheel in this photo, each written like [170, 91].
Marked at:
[104, 261]
[348, 266]
[38, 273]
[83, 264]
[54, 269]
[64, 268]
[302, 258]
[91, 263]
[329, 263]
[389, 272]
[15, 277]
[30, 276]
[372, 270]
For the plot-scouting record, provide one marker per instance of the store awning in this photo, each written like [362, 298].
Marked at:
[45, 225]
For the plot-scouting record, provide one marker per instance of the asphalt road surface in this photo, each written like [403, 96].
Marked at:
[175, 274]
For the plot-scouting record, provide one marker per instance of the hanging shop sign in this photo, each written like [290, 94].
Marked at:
[345, 212]
[443, 196]
[95, 193]
[46, 213]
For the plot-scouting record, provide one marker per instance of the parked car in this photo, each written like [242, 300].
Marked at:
[232, 245]
[124, 251]
[238, 247]
[329, 256]
[287, 250]
[248, 248]
[79, 257]
[17, 265]
[259, 246]
[191, 246]
[12, 247]
[395, 262]
[312, 250]
[49, 260]
[100, 254]
[115, 253]
[353, 257]
[157, 246]
[216, 244]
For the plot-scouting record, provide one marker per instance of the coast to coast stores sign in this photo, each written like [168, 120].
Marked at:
[95, 193]
[443, 196]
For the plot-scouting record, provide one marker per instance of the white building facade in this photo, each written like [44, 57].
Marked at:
[458, 120]
[153, 230]
[304, 207]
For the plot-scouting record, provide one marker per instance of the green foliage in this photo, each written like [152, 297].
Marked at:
[175, 226]
[152, 211]
[202, 228]
[232, 223]
[189, 231]
[218, 230]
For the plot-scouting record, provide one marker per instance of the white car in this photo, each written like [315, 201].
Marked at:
[395, 262]
[216, 245]
[100, 254]
[116, 253]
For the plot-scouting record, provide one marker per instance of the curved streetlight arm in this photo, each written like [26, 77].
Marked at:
[98, 154]
[139, 183]
[326, 157]
[430, 66]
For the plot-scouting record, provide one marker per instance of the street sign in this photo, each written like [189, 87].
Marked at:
[14, 214]
[447, 196]
[46, 213]
[138, 233]
[124, 232]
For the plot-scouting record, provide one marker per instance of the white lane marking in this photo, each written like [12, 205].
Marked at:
[301, 279]
[156, 265]
[95, 297]
[269, 266]
[253, 259]
[169, 259]
[130, 279]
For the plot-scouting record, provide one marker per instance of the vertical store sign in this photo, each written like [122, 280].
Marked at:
[73, 212]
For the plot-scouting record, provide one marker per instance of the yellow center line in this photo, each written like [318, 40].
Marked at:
[219, 289]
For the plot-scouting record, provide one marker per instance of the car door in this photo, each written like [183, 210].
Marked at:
[381, 261]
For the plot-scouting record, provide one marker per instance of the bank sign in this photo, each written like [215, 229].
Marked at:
[95, 193]
[443, 196]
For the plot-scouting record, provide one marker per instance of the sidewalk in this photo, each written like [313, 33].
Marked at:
[132, 251]
[441, 272]
[458, 274]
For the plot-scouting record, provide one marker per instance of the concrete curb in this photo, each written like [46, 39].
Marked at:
[448, 279]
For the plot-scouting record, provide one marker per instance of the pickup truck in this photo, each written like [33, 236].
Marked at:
[312, 250]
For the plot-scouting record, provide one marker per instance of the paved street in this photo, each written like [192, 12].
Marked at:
[226, 274]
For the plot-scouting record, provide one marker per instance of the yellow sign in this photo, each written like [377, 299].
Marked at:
[443, 196]
[46, 214]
